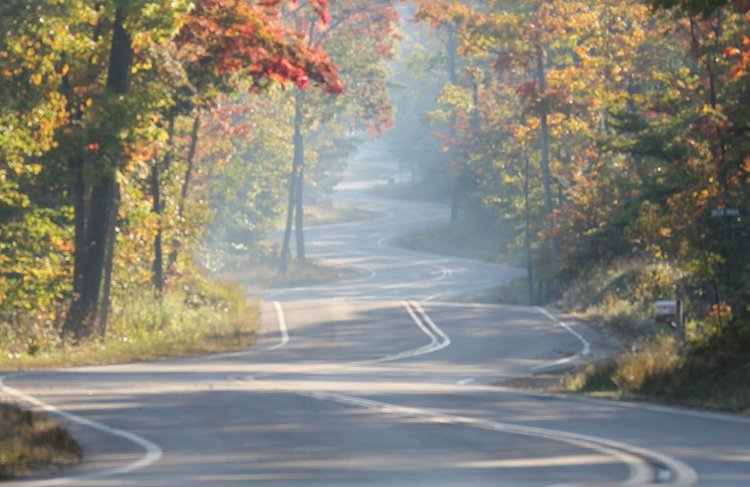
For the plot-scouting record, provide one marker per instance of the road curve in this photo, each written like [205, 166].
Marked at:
[379, 380]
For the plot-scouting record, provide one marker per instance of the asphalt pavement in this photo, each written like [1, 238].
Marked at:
[381, 380]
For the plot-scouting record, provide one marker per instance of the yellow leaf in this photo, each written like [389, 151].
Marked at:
[36, 78]
[65, 70]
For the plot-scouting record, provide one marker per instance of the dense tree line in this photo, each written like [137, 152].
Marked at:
[614, 134]
[129, 130]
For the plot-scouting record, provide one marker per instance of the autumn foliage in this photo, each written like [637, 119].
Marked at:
[619, 130]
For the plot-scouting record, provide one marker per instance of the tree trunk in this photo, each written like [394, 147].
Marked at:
[104, 200]
[190, 162]
[109, 261]
[452, 47]
[284, 254]
[75, 314]
[158, 264]
[102, 196]
[527, 215]
[185, 186]
[299, 222]
[544, 147]
[295, 210]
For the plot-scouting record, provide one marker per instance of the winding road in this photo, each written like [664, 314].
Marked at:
[380, 380]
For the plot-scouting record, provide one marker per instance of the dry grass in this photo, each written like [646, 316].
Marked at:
[31, 443]
[200, 319]
[334, 213]
[486, 241]
[260, 271]
[713, 374]
[515, 292]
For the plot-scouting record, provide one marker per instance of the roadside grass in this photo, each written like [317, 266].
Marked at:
[467, 238]
[514, 292]
[330, 213]
[709, 375]
[31, 443]
[706, 369]
[439, 191]
[197, 318]
[261, 272]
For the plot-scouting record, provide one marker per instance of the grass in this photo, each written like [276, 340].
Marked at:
[439, 191]
[711, 375]
[334, 213]
[487, 242]
[258, 273]
[31, 443]
[199, 318]
[706, 369]
[514, 292]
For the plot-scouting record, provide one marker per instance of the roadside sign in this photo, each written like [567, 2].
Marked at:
[725, 212]
[667, 307]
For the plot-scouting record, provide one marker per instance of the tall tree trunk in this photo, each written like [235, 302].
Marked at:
[109, 261]
[527, 216]
[76, 312]
[544, 146]
[190, 162]
[104, 198]
[452, 48]
[295, 208]
[299, 157]
[158, 264]
[185, 186]
[284, 254]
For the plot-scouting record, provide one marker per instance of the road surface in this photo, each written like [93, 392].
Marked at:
[380, 380]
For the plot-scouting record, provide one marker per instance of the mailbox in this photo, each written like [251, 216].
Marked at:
[667, 308]
[670, 311]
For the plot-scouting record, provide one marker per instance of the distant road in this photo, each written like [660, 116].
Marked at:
[380, 380]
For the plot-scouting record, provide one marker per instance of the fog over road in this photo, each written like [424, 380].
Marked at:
[380, 380]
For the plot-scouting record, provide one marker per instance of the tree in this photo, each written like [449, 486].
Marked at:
[361, 37]
[101, 112]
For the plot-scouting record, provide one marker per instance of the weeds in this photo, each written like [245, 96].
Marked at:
[197, 318]
[30, 442]
[488, 242]
[259, 270]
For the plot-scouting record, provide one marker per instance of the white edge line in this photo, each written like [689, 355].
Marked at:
[586, 345]
[629, 454]
[434, 345]
[153, 451]
[282, 343]
[640, 471]
[282, 327]
[435, 328]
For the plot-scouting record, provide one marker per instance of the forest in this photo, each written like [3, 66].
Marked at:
[145, 144]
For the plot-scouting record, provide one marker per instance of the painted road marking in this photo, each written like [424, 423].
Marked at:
[438, 339]
[586, 350]
[281, 320]
[153, 451]
[641, 472]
